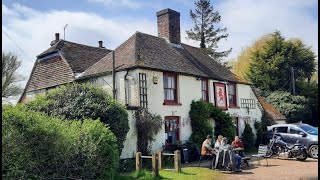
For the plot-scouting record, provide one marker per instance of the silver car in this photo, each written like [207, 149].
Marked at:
[306, 134]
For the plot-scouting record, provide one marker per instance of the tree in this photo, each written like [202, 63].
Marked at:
[148, 125]
[205, 31]
[293, 107]
[241, 64]
[10, 64]
[81, 101]
[271, 64]
[248, 136]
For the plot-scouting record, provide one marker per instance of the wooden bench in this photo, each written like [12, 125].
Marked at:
[262, 153]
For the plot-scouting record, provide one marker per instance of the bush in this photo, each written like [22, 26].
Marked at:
[199, 114]
[258, 127]
[148, 125]
[223, 124]
[36, 146]
[293, 107]
[248, 136]
[81, 101]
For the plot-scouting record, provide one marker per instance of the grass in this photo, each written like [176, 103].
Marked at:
[188, 173]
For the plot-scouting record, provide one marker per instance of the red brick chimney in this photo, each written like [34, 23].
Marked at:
[169, 25]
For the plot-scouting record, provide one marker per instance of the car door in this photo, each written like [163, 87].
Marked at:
[294, 135]
[283, 132]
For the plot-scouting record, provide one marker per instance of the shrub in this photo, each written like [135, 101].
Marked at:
[81, 101]
[257, 126]
[148, 125]
[293, 107]
[199, 114]
[36, 146]
[248, 136]
[223, 124]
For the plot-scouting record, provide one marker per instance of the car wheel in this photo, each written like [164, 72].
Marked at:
[313, 151]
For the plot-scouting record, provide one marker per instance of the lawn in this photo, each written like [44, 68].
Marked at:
[187, 173]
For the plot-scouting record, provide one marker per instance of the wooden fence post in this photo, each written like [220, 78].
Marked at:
[160, 159]
[177, 161]
[155, 170]
[138, 161]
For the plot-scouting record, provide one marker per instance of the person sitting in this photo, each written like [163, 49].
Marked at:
[237, 143]
[206, 149]
[220, 146]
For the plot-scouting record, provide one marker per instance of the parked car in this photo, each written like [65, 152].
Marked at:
[290, 133]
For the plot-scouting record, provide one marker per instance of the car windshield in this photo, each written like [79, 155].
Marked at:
[309, 129]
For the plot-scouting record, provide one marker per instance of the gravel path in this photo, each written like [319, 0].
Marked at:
[279, 169]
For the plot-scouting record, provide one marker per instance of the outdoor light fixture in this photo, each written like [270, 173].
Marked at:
[248, 110]
[155, 80]
[198, 78]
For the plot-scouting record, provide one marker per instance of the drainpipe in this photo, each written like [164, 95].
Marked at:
[113, 77]
[125, 87]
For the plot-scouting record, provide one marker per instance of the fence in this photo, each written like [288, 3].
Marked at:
[157, 161]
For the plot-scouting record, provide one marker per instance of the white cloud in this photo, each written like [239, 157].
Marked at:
[33, 31]
[246, 20]
[133, 4]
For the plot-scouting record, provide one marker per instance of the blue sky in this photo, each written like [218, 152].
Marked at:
[32, 23]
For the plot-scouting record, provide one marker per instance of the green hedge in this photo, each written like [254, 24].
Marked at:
[81, 101]
[36, 146]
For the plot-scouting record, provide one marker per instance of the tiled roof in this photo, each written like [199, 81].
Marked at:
[79, 56]
[269, 108]
[49, 72]
[146, 51]
[60, 63]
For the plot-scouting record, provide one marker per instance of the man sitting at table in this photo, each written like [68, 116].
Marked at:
[237, 143]
[206, 149]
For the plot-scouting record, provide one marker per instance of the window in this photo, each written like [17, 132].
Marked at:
[250, 103]
[170, 88]
[143, 90]
[172, 129]
[232, 95]
[204, 90]
[294, 130]
[281, 129]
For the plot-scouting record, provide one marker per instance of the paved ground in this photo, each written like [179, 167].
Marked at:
[278, 169]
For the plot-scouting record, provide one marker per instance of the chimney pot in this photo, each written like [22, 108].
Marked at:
[100, 44]
[169, 25]
[57, 37]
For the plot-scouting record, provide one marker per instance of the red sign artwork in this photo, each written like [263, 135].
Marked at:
[220, 95]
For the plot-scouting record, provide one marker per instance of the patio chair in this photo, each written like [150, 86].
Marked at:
[262, 153]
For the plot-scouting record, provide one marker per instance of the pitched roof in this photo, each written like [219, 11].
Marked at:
[147, 51]
[269, 108]
[59, 64]
[79, 56]
[49, 72]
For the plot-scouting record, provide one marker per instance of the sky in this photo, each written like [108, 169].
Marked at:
[31, 24]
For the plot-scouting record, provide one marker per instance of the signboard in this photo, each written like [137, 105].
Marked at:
[220, 95]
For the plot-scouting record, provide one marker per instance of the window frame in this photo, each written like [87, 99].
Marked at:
[234, 104]
[206, 91]
[143, 90]
[177, 118]
[176, 90]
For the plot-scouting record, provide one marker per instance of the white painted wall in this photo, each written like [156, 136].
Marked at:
[189, 89]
